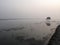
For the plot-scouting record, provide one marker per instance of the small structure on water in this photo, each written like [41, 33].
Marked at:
[48, 21]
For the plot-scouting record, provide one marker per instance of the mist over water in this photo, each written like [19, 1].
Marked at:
[29, 28]
[22, 22]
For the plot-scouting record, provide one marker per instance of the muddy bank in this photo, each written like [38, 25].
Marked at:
[55, 39]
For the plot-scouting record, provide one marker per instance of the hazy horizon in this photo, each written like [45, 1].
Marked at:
[24, 22]
[29, 9]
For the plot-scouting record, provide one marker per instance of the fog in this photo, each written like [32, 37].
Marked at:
[29, 9]
[25, 21]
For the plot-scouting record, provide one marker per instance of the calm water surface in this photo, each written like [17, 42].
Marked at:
[28, 28]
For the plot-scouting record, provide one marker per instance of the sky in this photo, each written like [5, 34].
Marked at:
[29, 9]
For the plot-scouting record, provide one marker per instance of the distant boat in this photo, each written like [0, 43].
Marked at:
[48, 21]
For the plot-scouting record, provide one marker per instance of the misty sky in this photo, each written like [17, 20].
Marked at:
[29, 8]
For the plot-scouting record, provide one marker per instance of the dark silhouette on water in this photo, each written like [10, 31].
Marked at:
[48, 21]
[48, 18]
[55, 39]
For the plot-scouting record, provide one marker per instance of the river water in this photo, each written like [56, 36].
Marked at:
[29, 28]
